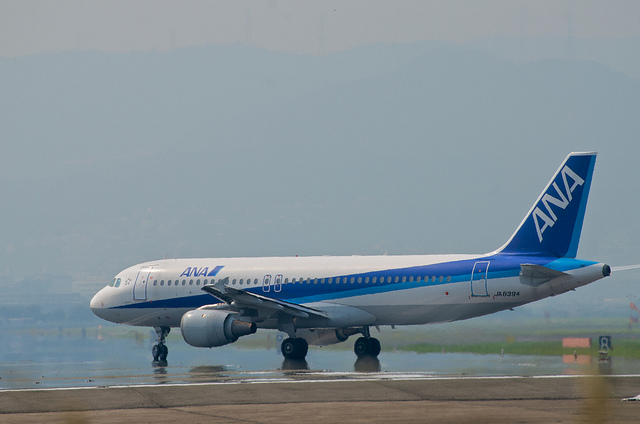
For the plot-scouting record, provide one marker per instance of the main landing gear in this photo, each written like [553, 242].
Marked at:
[294, 348]
[367, 346]
[160, 351]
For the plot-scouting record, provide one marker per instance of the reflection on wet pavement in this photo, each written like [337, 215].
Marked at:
[48, 362]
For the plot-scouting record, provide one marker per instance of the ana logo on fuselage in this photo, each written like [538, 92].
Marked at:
[194, 271]
[550, 218]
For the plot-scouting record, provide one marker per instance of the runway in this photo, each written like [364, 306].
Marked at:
[539, 399]
[66, 379]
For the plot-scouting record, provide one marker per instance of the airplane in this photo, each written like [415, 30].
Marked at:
[323, 300]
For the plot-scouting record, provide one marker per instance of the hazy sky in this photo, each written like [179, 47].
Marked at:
[28, 27]
[75, 128]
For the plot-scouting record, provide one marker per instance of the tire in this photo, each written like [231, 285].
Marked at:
[361, 347]
[155, 352]
[294, 348]
[374, 347]
[304, 348]
[288, 348]
[164, 351]
[367, 347]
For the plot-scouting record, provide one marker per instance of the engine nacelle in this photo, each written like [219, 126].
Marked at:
[324, 336]
[211, 328]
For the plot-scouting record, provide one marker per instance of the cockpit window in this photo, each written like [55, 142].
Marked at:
[118, 282]
[112, 283]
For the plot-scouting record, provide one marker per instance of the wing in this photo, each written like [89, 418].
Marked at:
[242, 299]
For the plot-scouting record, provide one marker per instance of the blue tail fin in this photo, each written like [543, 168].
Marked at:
[553, 225]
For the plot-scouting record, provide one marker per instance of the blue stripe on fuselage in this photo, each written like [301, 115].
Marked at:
[501, 266]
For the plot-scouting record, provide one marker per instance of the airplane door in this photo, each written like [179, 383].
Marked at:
[277, 283]
[140, 286]
[479, 279]
[266, 283]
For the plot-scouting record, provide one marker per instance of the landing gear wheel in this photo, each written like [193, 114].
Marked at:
[155, 351]
[374, 346]
[294, 348]
[367, 346]
[164, 351]
[160, 351]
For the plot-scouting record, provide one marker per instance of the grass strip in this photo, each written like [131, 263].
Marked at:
[622, 348]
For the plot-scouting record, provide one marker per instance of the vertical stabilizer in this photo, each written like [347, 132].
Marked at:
[553, 225]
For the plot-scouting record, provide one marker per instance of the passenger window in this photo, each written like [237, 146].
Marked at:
[448, 279]
[162, 283]
[404, 279]
[169, 283]
[440, 279]
[352, 280]
[433, 279]
[396, 279]
[366, 280]
[190, 282]
[411, 279]
[388, 279]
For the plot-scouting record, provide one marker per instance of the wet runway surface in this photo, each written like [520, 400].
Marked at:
[60, 361]
[49, 376]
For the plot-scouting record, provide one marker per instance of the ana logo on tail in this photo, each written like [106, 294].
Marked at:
[550, 218]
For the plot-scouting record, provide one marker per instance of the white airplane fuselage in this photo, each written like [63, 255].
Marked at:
[414, 289]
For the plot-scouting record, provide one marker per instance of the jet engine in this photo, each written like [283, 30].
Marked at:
[212, 328]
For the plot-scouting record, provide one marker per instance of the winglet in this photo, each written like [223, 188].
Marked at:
[553, 225]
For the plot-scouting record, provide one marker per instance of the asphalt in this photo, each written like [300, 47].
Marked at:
[448, 400]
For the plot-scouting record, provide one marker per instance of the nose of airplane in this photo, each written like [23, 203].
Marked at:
[97, 304]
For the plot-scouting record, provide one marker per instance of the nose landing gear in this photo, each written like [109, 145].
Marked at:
[160, 351]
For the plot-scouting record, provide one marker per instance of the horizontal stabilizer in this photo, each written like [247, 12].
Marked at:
[536, 275]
